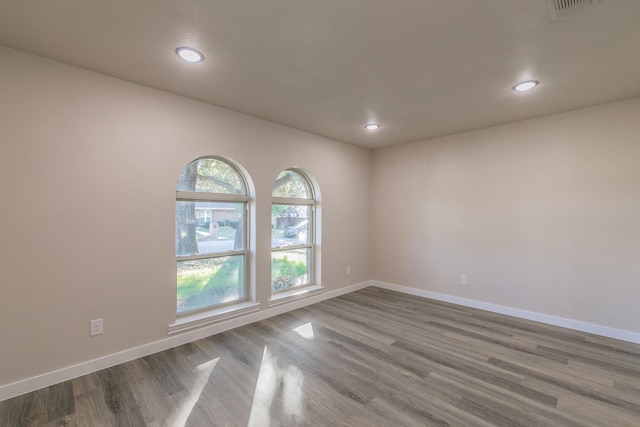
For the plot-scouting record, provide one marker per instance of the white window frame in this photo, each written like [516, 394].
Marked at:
[194, 196]
[312, 287]
[214, 313]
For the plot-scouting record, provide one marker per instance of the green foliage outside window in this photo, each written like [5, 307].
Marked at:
[208, 282]
[291, 184]
[286, 273]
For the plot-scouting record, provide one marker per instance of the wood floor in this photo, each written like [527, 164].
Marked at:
[369, 358]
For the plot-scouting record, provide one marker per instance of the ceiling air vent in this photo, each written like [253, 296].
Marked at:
[561, 8]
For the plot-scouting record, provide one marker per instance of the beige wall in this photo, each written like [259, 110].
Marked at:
[542, 215]
[88, 167]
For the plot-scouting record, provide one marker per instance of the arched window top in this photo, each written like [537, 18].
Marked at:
[293, 184]
[211, 175]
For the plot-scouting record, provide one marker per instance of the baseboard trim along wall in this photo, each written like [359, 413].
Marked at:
[54, 377]
[65, 374]
[577, 325]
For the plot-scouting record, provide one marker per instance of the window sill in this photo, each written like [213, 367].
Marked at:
[213, 316]
[294, 294]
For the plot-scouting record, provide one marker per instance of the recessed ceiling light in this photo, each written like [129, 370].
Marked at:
[372, 126]
[189, 54]
[525, 86]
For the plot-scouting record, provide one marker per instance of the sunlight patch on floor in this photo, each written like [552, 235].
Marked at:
[305, 331]
[276, 383]
[179, 419]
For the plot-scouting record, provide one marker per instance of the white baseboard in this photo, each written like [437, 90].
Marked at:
[54, 377]
[577, 325]
[28, 385]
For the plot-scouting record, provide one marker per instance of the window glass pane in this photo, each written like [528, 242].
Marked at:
[211, 176]
[290, 225]
[207, 282]
[291, 184]
[290, 268]
[208, 227]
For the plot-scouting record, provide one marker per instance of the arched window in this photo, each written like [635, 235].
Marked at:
[211, 235]
[293, 228]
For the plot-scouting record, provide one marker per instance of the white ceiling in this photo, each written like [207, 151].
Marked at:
[421, 68]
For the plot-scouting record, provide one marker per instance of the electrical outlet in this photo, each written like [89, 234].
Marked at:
[97, 327]
[348, 269]
[463, 280]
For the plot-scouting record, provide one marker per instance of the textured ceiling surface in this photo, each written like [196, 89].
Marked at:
[421, 68]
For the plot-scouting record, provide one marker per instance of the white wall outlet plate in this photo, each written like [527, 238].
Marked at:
[97, 327]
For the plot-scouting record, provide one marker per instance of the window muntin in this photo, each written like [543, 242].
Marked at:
[293, 231]
[211, 236]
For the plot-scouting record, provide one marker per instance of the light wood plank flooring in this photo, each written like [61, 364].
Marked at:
[369, 358]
